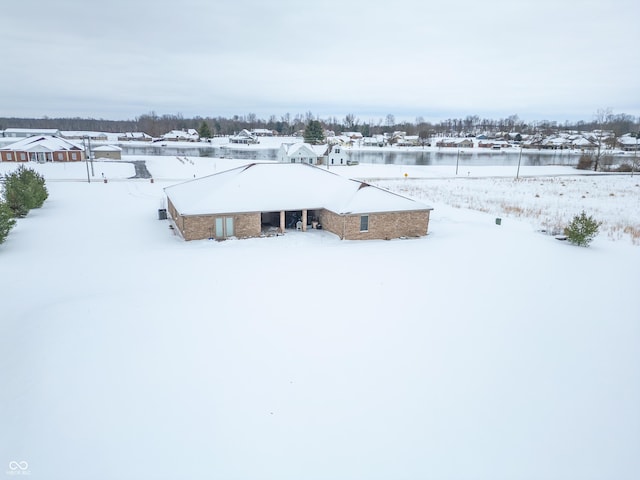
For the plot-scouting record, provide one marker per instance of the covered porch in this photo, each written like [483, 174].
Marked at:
[280, 221]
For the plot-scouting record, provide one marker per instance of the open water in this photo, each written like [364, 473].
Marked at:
[383, 156]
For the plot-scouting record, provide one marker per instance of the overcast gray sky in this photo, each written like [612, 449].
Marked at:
[118, 59]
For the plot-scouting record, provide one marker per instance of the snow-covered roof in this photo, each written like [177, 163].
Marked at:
[9, 132]
[244, 133]
[266, 187]
[303, 149]
[581, 141]
[627, 140]
[135, 135]
[107, 148]
[42, 143]
[182, 134]
[82, 133]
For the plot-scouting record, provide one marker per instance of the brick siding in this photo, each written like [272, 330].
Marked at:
[382, 226]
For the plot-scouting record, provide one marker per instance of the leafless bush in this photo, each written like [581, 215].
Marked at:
[585, 162]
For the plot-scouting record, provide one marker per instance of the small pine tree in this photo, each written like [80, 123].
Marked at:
[35, 184]
[204, 131]
[15, 195]
[24, 189]
[7, 221]
[313, 133]
[582, 230]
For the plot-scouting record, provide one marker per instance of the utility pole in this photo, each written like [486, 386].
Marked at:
[519, 158]
[86, 159]
[90, 155]
[635, 154]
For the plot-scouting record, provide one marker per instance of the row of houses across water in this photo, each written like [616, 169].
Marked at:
[564, 140]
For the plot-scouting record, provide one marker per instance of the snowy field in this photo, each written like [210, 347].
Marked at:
[478, 352]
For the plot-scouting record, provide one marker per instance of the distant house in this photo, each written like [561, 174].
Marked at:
[256, 199]
[244, 137]
[455, 143]
[557, 142]
[81, 135]
[262, 132]
[302, 153]
[628, 143]
[583, 143]
[110, 152]
[374, 141]
[534, 141]
[134, 137]
[352, 135]
[190, 135]
[337, 156]
[493, 144]
[42, 148]
[408, 141]
[30, 132]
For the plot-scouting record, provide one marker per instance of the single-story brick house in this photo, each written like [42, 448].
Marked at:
[111, 152]
[44, 148]
[251, 200]
[455, 143]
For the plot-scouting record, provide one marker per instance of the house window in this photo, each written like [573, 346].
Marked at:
[337, 150]
[60, 156]
[293, 160]
[364, 223]
[224, 227]
[73, 156]
[310, 160]
[9, 156]
[23, 157]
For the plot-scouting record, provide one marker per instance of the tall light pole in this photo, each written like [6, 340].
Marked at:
[90, 155]
[519, 158]
[635, 154]
[86, 159]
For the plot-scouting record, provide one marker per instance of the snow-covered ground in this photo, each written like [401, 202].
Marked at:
[479, 351]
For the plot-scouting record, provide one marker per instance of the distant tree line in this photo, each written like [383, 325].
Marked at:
[287, 124]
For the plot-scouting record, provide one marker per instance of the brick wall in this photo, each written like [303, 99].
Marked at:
[108, 154]
[200, 227]
[13, 157]
[60, 156]
[381, 225]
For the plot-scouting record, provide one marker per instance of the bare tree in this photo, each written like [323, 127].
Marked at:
[601, 118]
[390, 120]
[350, 122]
